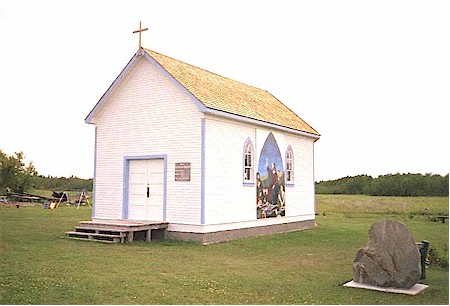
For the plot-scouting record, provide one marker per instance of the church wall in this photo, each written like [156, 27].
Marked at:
[227, 198]
[300, 197]
[148, 115]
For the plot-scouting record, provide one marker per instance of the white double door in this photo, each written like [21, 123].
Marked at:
[146, 190]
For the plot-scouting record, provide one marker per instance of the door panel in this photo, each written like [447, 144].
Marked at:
[156, 185]
[146, 189]
[137, 183]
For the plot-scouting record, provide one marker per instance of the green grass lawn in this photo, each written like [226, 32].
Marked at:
[39, 266]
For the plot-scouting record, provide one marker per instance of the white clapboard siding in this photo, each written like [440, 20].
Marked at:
[300, 196]
[148, 114]
[226, 198]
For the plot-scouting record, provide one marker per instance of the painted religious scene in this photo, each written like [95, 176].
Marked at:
[270, 182]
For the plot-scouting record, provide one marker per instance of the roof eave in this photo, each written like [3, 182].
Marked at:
[227, 115]
[90, 117]
[201, 107]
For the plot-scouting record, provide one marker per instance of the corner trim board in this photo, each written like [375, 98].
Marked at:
[95, 173]
[203, 155]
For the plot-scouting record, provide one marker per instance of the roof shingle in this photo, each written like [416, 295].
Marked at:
[227, 95]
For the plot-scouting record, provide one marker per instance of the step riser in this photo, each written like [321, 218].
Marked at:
[113, 232]
[91, 240]
[100, 231]
[96, 236]
[124, 228]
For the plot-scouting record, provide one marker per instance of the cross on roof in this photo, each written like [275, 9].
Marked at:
[140, 31]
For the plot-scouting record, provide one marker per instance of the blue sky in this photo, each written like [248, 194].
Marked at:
[371, 76]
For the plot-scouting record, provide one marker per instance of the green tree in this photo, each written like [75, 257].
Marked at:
[409, 184]
[14, 175]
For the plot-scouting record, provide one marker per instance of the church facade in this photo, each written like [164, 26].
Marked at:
[215, 158]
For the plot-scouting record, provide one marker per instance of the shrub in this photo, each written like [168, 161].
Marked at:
[437, 258]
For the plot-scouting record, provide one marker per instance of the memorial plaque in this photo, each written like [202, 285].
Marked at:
[182, 172]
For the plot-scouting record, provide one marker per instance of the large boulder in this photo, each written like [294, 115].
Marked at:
[390, 259]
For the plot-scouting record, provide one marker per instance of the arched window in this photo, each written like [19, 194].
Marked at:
[248, 161]
[289, 165]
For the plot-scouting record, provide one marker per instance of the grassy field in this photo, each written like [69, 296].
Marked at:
[38, 266]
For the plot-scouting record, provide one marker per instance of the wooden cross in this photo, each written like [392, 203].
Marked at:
[140, 31]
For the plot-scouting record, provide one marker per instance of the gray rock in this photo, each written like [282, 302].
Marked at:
[390, 259]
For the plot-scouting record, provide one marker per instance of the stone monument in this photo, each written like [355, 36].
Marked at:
[390, 259]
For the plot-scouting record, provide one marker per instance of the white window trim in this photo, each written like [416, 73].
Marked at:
[291, 159]
[248, 182]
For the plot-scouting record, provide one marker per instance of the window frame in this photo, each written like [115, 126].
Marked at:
[248, 155]
[290, 166]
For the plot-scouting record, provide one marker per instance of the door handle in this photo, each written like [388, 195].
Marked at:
[148, 191]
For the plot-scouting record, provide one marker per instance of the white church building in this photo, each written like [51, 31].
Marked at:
[212, 157]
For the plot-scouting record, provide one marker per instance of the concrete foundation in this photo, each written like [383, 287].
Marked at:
[221, 236]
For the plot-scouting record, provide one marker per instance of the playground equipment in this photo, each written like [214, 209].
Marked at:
[84, 198]
[21, 199]
[81, 199]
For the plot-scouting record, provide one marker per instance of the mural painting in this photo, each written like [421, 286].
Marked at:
[270, 188]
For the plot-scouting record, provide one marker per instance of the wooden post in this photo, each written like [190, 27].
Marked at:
[130, 236]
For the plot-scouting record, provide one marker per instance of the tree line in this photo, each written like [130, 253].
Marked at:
[387, 185]
[15, 176]
[72, 183]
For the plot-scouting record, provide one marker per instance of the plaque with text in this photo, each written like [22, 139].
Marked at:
[182, 172]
